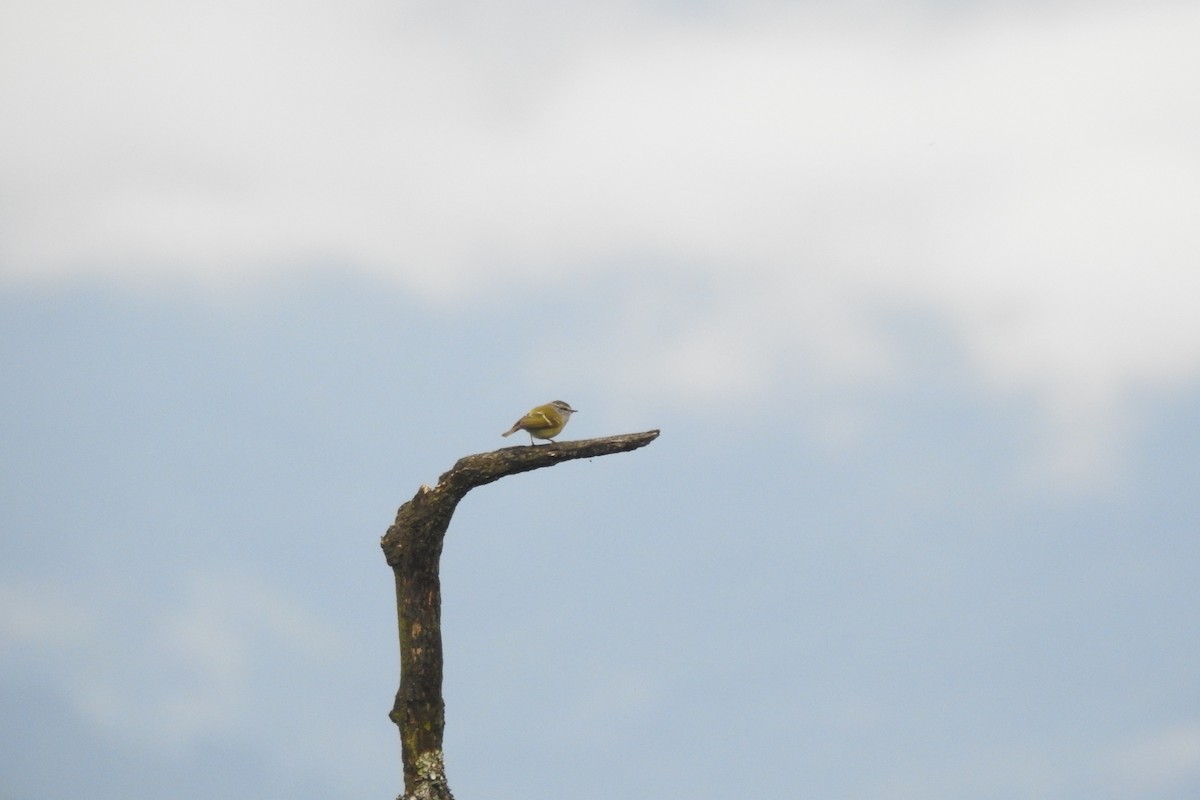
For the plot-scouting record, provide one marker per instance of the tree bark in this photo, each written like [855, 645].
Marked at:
[413, 548]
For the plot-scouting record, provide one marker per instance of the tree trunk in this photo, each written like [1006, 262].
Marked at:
[413, 548]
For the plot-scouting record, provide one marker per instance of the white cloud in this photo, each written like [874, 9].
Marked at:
[1160, 763]
[166, 675]
[1027, 177]
[33, 618]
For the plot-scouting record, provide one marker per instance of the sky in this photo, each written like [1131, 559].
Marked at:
[909, 289]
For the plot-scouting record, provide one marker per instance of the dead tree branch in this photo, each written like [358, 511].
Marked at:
[413, 548]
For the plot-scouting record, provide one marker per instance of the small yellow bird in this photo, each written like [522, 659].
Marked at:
[543, 422]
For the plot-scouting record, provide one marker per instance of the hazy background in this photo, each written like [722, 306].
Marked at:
[911, 290]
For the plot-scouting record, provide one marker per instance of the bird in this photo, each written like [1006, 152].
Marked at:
[543, 422]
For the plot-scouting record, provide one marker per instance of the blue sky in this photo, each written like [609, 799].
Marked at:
[909, 290]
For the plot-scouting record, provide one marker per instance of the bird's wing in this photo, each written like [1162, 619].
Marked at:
[536, 419]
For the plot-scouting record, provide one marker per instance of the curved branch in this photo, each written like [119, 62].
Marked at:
[413, 548]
